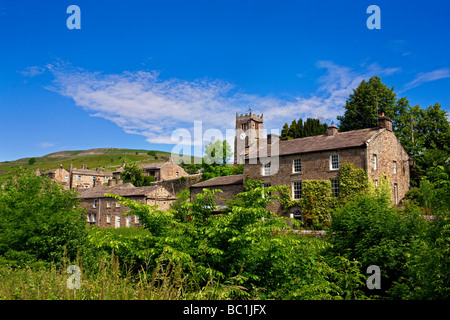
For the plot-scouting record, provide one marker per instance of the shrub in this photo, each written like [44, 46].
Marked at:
[39, 220]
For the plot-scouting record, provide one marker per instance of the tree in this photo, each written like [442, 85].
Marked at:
[132, 173]
[367, 102]
[39, 220]
[31, 161]
[218, 152]
[300, 129]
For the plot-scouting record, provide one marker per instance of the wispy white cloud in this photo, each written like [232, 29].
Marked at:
[426, 77]
[143, 103]
[32, 71]
[46, 145]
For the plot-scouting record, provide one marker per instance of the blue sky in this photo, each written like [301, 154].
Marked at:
[138, 70]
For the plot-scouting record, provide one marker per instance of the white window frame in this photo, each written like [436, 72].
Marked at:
[374, 162]
[394, 167]
[79, 178]
[331, 162]
[108, 218]
[294, 189]
[88, 217]
[335, 187]
[128, 221]
[66, 178]
[94, 217]
[294, 166]
[376, 182]
[117, 204]
[136, 219]
[108, 203]
[266, 169]
[95, 203]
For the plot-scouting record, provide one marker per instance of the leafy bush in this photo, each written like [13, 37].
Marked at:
[39, 220]
[371, 231]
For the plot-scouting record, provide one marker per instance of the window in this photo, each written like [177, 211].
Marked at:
[374, 162]
[266, 185]
[94, 217]
[334, 162]
[95, 203]
[266, 169]
[376, 183]
[335, 187]
[108, 218]
[108, 203]
[297, 165]
[297, 190]
[93, 179]
[88, 218]
[117, 204]
[66, 178]
[79, 177]
[176, 174]
[128, 222]
[136, 219]
[395, 193]
[394, 167]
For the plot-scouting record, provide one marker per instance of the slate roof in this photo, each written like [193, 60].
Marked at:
[341, 140]
[220, 181]
[92, 172]
[124, 190]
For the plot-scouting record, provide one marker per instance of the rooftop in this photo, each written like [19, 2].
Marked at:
[221, 181]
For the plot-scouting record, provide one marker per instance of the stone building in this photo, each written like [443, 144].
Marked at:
[60, 175]
[84, 178]
[376, 150]
[106, 212]
[164, 170]
[230, 186]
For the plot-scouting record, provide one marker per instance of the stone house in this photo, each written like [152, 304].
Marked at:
[377, 150]
[164, 170]
[84, 178]
[60, 175]
[230, 186]
[106, 212]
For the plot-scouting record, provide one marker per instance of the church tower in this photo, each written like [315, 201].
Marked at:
[244, 136]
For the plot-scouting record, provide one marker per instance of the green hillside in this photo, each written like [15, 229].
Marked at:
[107, 158]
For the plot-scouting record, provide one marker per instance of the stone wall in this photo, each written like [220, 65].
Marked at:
[175, 185]
[105, 207]
[228, 191]
[314, 166]
[388, 149]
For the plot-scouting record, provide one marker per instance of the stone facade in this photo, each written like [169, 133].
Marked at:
[84, 178]
[60, 175]
[162, 171]
[320, 157]
[106, 212]
[229, 185]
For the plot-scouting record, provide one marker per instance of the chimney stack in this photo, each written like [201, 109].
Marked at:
[332, 130]
[97, 182]
[384, 122]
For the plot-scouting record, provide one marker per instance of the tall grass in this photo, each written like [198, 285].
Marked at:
[109, 282]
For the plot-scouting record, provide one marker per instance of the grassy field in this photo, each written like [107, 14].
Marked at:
[107, 158]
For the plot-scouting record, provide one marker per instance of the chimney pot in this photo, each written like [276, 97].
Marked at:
[332, 130]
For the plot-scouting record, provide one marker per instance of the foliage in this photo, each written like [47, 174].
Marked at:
[212, 171]
[31, 161]
[298, 129]
[352, 182]
[134, 174]
[367, 102]
[368, 229]
[218, 152]
[316, 203]
[39, 220]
